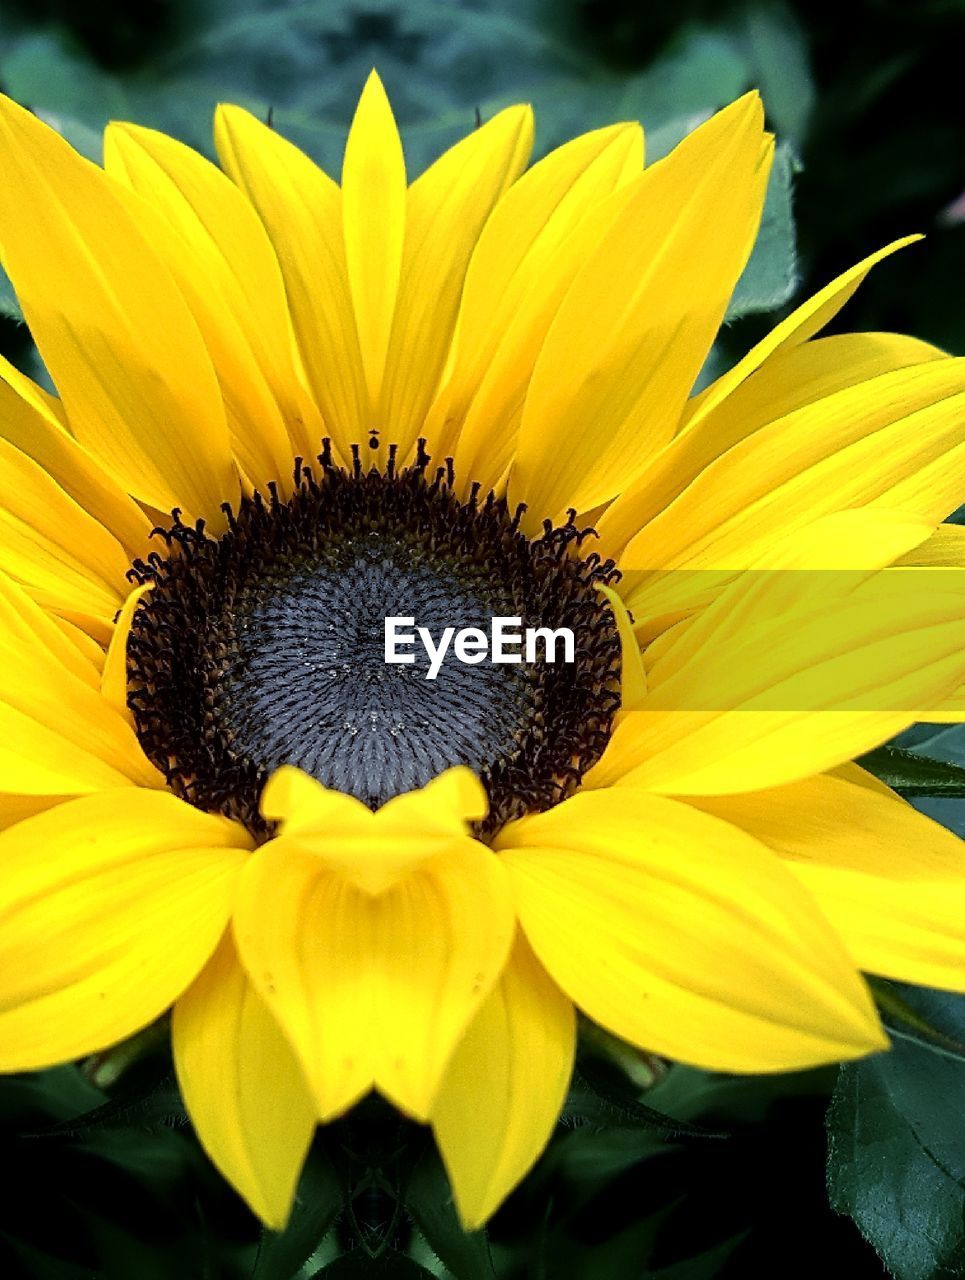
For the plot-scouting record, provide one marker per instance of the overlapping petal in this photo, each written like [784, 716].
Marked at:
[446, 208]
[889, 879]
[507, 1080]
[217, 249]
[111, 904]
[58, 734]
[374, 972]
[894, 441]
[242, 1086]
[785, 675]
[301, 209]
[35, 423]
[529, 251]
[652, 294]
[62, 555]
[685, 936]
[791, 378]
[113, 329]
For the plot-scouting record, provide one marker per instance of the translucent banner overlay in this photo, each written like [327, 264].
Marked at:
[795, 640]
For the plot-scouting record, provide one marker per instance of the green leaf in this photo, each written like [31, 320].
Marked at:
[896, 1160]
[937, 741]
[771, 275]
[913, 774]
[9, 306]
[429, 1200]
[602, 1097]
[907, 1022]
[776, 46]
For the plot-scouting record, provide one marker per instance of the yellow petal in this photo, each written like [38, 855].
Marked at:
[841, 544]
[35, 423]
[25, 626]
[80, 640]
[219, 252]
[682, 935]
[114, 674]
[303, 805]
[803, 323]
[531, 247]
[373, 991]
[301, 209]
[888, 878]
[790, 379]
[944, 549]
[894, 441]
[505, 1087]
[633, 675]
[14, 809]
[652, 295]
[796, 673]
[58, 734]
[242, 1087]
[445, 211]
[374, 851]
[100, 934]
[113, 330]
[63, 556]
[373, 224]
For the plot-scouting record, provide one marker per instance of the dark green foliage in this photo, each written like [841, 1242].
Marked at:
[897, 1140]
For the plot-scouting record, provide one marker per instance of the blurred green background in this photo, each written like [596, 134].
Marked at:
[103, 1177]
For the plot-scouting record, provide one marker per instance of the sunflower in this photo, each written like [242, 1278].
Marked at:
[287, 409]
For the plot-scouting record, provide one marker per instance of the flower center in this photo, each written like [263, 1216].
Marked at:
[267, 645]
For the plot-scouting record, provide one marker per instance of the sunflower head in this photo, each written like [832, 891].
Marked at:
[291, 409]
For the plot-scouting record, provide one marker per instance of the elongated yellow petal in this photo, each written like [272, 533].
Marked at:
[223, 260]
[894, 441]
[888, 878]
[81, 641]
[633, 675]
[25, 626]
[446, 209]
[652, 295]
[114, 331]
[58, 734]
[792, 378]
[806, 671]
[945, 549]
[114, 675]
[505, 1086]
[243, 1089]
[14, 809]
[301, 208]
[373, 225]
[35, 423]
[950, 710]
[683, 935]
[841, 545]
[62, 555]
[100, 934]
[801, 325]
[373, 991]
[530, 249]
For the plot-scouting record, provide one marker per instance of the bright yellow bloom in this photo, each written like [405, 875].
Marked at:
[703, 873]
